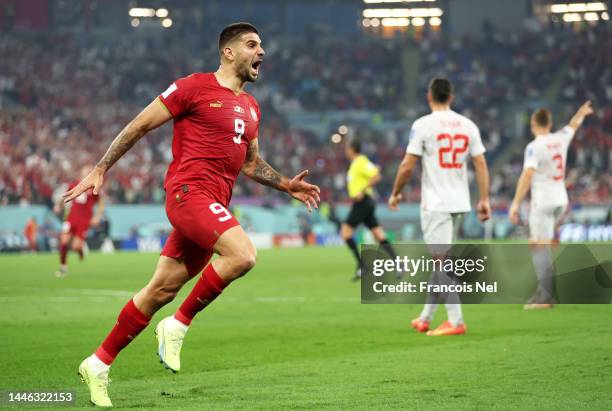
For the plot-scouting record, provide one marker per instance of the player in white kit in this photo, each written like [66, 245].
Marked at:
[544, 173]
[444, 140]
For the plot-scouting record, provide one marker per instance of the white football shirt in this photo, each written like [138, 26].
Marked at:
[547, 154]
[445, 140]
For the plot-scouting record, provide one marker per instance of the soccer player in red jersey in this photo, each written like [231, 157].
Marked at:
[80, 218]
[215, 137]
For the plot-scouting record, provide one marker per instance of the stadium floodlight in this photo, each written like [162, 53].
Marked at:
[344, 129]
[418, 21]
[591, 16]
[417, 12]
[435, 21]
[161, 13]
[167, 23]
[141, 12]
[395, 22]
[605, 16]
[578, 7]
[571, 17]
[366, 22]
[135, 22]
[336, 138]
[375, 22]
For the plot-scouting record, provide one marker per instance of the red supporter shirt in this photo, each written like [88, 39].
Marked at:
[212, 131]
[82, 207]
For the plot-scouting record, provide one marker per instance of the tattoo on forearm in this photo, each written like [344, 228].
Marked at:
[120, 145]
[265, 174]
[259, 170]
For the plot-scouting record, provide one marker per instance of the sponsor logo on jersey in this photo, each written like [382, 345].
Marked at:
[254, 114]
[216, 104]
[238, 109]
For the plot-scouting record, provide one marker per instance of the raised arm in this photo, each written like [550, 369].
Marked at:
[259, 170]
[153, 116]
[584, 110]
[483, 207]
[402, 177]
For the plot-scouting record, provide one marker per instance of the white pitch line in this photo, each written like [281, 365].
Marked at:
[83, 291]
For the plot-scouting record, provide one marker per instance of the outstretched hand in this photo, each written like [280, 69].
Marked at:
[303, 191]
[94, 179]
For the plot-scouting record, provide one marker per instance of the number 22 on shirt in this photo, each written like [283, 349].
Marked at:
[451, 146]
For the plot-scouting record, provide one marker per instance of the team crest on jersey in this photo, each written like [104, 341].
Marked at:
[238, 109]
[254, 114]
[216, 104]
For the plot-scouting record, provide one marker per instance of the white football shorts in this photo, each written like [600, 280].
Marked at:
[542, 221]
[440, 227]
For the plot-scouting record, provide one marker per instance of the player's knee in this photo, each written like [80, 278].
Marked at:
[245, 262]
[162, 295]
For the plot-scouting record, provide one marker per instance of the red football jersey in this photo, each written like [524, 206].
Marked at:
[212, 130]
[82, 207]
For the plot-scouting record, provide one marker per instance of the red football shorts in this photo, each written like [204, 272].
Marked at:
[198, 222]
[76, 228]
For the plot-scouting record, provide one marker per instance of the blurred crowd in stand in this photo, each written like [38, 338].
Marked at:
[64, 97]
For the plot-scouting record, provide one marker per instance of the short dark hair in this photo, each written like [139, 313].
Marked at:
[234, 30]
[542, 117]
[355, 145]
[441, 90]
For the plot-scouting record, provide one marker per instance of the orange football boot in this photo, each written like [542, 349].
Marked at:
[446, 328]
[420, 325]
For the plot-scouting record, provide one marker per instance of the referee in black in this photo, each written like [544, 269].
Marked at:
[362, 176]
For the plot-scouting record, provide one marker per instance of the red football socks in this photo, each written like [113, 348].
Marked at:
[208, 287]
[129, 324]
[63, 253]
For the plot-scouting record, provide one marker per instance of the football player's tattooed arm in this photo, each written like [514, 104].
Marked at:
[259, 170]
[153, 116]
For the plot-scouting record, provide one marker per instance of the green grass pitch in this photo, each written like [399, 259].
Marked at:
[293, 334]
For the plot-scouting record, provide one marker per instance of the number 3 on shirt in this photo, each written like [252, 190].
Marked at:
[217, 209]
[558, 160]
[239, 129]
[457, 144]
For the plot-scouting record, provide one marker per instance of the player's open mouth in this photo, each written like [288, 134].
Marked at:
[255, 66]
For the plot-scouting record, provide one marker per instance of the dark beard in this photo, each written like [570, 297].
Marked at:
[245, 75]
